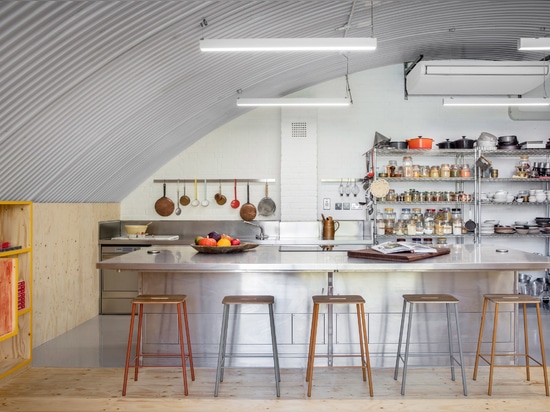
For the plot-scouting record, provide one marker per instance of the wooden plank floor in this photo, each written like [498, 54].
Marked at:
[253, 389]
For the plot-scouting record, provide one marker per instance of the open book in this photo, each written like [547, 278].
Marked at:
[396, 247]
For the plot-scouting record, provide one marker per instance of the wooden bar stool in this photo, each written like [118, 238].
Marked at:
[359, 303]
[246, 300]
[448, 300]
[181, 309]
[497, 299]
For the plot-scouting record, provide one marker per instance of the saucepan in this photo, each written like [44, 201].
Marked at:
[420, 143]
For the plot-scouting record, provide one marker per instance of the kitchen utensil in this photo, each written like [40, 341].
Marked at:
[482, 163]
[380, 188]
[347, 189]
[221, 199]
[447, 144]
[399, 145]
[195, 201]
[470, 225]
[420, 143]
[164, 206]
[136, 229]
[341, 188]
[184, 200]
[205, 202]
[248, 210]
[380, 140]
[355, 189]
[266, 207]
[178, 209]
[330, 226]
[235, 202]
[464, 143]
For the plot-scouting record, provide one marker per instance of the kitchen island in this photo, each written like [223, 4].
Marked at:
[467, 272]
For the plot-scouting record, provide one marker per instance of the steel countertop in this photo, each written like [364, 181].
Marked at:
[185, 259]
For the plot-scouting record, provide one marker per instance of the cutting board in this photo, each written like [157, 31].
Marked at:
[396, 257]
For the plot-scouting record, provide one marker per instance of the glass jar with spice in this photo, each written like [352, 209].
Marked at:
[455, 171]
[465, 171]
[416, 171]
[407, 166]
[435, 171]
[445, 170]
[391, 168]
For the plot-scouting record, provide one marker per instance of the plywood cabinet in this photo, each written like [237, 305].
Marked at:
[15, 284]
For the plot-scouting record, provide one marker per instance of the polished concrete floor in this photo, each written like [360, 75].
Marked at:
[101, 343]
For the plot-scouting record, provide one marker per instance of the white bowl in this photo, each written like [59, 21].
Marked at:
[519, 200]
[532, 199]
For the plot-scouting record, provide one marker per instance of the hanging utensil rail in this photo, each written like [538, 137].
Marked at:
[215, 180]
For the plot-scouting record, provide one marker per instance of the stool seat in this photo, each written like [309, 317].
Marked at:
[489, 358]
[181, 309]
[227, 301]
[441, 298]
[359, 303]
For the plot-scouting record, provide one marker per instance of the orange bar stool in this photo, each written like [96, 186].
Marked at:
[359, 303]
[497, 299]
[181, 309]
[222, 355]
[448, 300]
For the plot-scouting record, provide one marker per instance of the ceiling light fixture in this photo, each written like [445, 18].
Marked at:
[495, 101]
[289, 44]
[535, 43]
[293, 101]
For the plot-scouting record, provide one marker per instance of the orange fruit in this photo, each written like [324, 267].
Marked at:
[224, 242]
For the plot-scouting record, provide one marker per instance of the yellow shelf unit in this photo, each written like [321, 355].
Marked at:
[16, 228]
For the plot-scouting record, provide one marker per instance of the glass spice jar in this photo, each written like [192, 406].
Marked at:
[416, 171]
[435, 171]
[465, 171]
[445, 170]
[455, 171]
[407, 166]
[425, 171]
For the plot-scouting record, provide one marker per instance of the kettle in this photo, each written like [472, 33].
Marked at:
[330, 226]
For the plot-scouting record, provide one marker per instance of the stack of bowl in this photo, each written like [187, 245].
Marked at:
[488, 227]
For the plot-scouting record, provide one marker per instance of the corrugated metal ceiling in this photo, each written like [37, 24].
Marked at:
[95, 94]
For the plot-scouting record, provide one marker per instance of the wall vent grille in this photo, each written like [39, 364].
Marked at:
[298, 130]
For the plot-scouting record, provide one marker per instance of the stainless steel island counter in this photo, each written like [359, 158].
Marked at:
[467, 272]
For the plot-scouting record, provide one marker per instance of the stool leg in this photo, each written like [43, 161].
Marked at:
[275, 351]
[407, 343]
[365, 342]
[221, 351]
[361, 341]
[478, 350]
[138, 343]
[400, 340]
[461, 358]
[526, 337]
[450, 335]
[542, 351]
[189, 350]
[179, 309]
[129, 349]
[493, 346]
[311, 356]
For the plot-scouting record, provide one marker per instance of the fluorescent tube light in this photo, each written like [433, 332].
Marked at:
[536, 43]
[289, 44]
[293, 101]
[488, 70]
[495, 101]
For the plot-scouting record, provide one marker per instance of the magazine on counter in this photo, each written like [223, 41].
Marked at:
[396, 247]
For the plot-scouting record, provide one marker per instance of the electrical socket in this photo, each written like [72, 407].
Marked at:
[326, 203]
[338, 206]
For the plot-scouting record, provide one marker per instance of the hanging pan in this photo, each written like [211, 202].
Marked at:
[248, 210]
[164, 206]
[266, 207]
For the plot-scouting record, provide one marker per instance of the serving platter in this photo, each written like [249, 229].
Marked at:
[216, 250]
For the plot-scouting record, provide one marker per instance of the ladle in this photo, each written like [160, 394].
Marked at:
[205, 202]
[195, 201]
[178, 209]
[184, 200]
[235, 202]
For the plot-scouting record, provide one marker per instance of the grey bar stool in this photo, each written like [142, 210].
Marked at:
[359, 303]
[246, 300]
[448, 300]
[497, 299]
[181, 308]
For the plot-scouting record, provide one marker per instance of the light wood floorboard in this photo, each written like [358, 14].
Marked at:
[253, 389]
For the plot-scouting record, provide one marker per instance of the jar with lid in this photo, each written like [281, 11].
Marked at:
[429, 221]
[389, 221]
[391, 168]
[435, 171]
[411, 227]
[442, 241]
[416, 196]
[380, 225]
[523, 167]
[391, 196]
[457, 221]
[427, 241]
[405, 214]
[424, 171]
[407, 196]
[448, 227]
[455, 171]
[445, 170]
[416, 171]
[465, 170]
[407, 166]
[400, 227]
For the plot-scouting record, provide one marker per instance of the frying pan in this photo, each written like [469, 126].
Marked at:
[220, 199]
[164, 206]
[184, 200]
[248, 210]
[266, 207]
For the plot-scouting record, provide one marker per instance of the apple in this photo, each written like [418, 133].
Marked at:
[198, 239]
[235, 242]
[207, 241]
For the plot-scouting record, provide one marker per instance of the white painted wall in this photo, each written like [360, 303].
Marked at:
[250, 147]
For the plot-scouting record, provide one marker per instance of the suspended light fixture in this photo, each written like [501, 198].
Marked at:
[495, 101]
[535, 43]
[289, 44]
[293, 101]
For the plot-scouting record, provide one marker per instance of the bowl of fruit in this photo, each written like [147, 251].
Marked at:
[216, 243]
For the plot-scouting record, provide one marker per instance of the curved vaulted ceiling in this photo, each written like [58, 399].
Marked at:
[96, 95]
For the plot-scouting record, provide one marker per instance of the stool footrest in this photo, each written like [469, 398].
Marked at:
[522, 355]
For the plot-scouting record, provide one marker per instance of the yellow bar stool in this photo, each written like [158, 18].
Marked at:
[449, 301]
[524, 300]
[359, 303]
[222, 355]
[181, 308]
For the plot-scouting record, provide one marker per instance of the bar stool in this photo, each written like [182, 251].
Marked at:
[448, 300]
[181, 309]
[514, 299]
[359, 303]
[246, 300]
